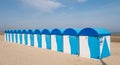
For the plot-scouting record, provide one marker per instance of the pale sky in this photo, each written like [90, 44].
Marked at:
[37, 14]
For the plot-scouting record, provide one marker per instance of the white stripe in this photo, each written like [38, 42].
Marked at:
[35, 40]
[14, 38]
[43, 41]
[54, 43]
[101, 44]
[10, 37]
[108, 42]
[18, 38]
[23, 39]
[66, 44]
[29, 40]
[84, 48]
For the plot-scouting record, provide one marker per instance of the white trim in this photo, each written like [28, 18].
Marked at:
[14, 38]
[10, 37]
[29, 40]
[84, 48]
[53, 43]
[101, 44]
[35, 41]
[18, 38]
[108, 42]
[66, 44]
[23, 39]
[44, 41]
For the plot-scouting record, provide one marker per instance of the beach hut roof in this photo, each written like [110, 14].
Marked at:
[20, 31]
[24, 31]
[11, 31]
[15, 31]
[31, 31]
[8, 31]
[57, 31]
[37, 31]
[94, 32]
[70, 31]
[45, 31]
[5, 31]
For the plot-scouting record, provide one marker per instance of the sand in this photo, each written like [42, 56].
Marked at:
[16, 54]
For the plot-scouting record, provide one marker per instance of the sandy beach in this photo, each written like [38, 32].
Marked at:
[16, 54]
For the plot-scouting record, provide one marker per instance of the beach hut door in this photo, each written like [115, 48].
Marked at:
[94, 47]
[74, 44]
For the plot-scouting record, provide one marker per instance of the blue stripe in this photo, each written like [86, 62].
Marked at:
[20, 38]
[26, 39]
[9, 36]
[74, 44]
[59, 40]
[32, 39]
[39, 40]
[94, 47]
[16, 38]
[105, 50]
[48, 41]
[12, 37]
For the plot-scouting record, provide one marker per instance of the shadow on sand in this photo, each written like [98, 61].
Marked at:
[103, 63]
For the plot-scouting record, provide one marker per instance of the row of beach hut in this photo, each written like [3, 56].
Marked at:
[86, 42]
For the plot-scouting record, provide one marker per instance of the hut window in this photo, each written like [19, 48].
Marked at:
[101, 40]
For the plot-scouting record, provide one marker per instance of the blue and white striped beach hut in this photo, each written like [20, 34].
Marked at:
[37, 38]
[16, 36]
[87, 42]
[19, 37]
[13, 37]
[24, 37]
[94, 43]
[71, 41]
[5, 35]
[30, 37]
[8, 35]
[46, 39]
[57, 40]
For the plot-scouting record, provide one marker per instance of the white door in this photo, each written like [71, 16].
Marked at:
[44, 41]
[53, 42]
[66, 44]
[84, 47]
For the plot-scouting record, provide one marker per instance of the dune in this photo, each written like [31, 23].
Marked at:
[16, 54]
[115, 38]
